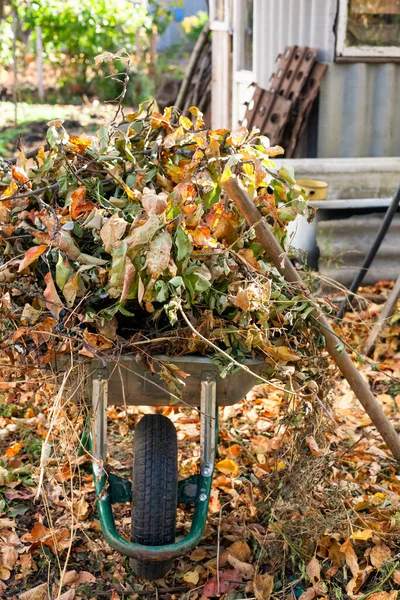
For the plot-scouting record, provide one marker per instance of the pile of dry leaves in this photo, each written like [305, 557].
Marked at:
[125, 242]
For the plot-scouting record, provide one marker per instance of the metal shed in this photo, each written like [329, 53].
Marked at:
[358, 113]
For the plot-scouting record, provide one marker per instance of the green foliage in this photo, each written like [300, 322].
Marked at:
[194, 25]
[75, 32]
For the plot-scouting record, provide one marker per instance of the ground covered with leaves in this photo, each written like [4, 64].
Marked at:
[301, 507]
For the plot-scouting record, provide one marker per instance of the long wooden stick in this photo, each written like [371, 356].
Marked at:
[279, 258]
[386, 312]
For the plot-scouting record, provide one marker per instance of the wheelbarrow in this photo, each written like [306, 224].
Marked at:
[155, 492]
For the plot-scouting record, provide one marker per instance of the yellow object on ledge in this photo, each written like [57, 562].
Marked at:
[314, 188]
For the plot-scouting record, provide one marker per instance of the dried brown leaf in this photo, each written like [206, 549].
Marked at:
[263, 586]
[30, 256]
[53, 301]
[40, 592]
[245, 569]
[351, 558]
[314, 570]
[9, 557]
[241, 551]
[380, 555]
[112, 231]
[159, 254]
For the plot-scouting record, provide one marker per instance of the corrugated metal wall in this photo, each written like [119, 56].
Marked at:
[358, 107]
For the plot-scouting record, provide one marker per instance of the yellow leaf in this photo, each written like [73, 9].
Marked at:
[237, 137]
[282, 353]
[228, 467]
[10, 191]
[278, 466]
[185, 122]
[378, 499]
[362, 534]
[80, 142]
[191, 577]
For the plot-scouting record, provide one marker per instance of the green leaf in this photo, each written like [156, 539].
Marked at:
[162, 292]
[18, 510]
[308, 310]
[62, 271]
[178, 285]
[52, 136]
[202, 284]
[287, 173]
[183, 244]
[103, 137]
[340, 347]
[151, 174]
[125, 311]
[287, 214]
[212, 197]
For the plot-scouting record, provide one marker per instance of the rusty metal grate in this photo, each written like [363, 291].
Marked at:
[282, 112]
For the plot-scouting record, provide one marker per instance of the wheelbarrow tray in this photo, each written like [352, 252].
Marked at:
[133, 385]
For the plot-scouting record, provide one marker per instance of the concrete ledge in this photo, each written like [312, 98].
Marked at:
[351, 178]
[344, 243]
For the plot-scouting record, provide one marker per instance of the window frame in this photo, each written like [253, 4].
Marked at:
[344, 52]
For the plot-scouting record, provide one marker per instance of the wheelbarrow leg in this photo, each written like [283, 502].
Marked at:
[208, 426]
[99, 423]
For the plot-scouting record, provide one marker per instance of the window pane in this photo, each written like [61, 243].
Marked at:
[246, 54]
[373, 23]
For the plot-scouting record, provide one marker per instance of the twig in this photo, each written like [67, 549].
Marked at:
[218, 548]
[30, 154]
[46, 447]
[121, 97]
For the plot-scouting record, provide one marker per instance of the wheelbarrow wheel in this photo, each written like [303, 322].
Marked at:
[154, 490]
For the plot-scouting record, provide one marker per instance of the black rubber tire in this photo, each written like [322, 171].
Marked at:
[154, 490]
